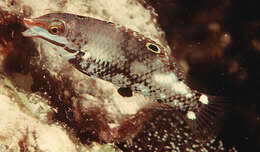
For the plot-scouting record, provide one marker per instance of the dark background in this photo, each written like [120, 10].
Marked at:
[219, 43]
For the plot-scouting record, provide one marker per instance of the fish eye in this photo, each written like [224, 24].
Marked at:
[153, 48]
[56, 28]
[53, 29]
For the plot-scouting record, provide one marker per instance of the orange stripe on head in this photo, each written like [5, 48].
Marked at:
[34, 22]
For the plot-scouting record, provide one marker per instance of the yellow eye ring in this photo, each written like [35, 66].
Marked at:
[56, 27]
[153, 48]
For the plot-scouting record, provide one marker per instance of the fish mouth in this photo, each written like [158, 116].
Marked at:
[34, 26]
[28, 22]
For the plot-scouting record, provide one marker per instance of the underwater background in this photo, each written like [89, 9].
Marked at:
[220, 42]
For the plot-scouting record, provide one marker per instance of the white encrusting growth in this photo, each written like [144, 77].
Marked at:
[204, 99]
[191, 115]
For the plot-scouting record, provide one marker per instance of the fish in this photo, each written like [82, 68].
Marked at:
[126, 58]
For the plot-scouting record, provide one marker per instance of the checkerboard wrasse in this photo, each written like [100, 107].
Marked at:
[126, 58]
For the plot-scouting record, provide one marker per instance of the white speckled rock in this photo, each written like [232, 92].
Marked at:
[19, 128]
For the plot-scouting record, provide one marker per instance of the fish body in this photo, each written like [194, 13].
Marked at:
[127, 59]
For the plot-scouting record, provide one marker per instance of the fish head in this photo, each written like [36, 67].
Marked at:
[57, 28]
[49, 27]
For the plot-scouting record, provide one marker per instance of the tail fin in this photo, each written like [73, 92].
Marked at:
[208, 118]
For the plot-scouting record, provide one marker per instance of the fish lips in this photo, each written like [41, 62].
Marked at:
[34, 27]
[30, 33]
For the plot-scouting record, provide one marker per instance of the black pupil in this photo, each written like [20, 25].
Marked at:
[153, 47]
[54, 30]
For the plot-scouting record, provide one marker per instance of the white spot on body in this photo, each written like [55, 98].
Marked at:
[191, 115]
[171, 82]
[204, 99]
[181, 88]
[165, 78]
